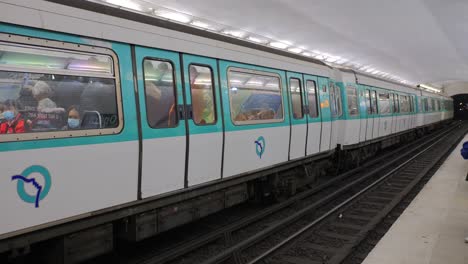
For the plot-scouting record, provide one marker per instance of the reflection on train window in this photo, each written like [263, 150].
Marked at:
[438, 105]
[405, 108]
[161, 107]
[202, 91]
[254, 98]
[352, 97]
[44, 90]
[312, 98]
[368, 102]
[296, 98]
[384, 103]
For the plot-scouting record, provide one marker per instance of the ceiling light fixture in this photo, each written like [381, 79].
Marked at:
[125, 3]
[257, 40]
[235, 33]
[430, 88]
[278, 45]
[173, 16]
[295, 50]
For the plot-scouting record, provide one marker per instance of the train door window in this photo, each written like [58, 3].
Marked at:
[352, 100]
[368, 102]
[160, 92]
[403, 102]
[396, 103]
[411, 104]
[426, 105]
[296, 98]
[332, 100]
[374, 102]
[202, 92]
[255, 97]
[53, 93]
[384, 102]
[339, 102]
[438, 105]
[312, 98]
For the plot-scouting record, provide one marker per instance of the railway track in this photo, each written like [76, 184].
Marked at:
[332, 237]
[267, 230]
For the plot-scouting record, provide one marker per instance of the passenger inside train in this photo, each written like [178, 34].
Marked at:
[32, 102]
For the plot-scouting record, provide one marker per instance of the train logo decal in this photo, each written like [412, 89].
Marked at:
[40, 191]
[260, 146]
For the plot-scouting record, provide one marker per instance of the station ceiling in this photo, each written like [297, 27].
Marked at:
[422, 41]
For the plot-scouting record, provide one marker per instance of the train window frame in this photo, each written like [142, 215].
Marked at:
[174, 81]
[254, 72]
[317, 103]
[66, 47]
[213, 89]
[300, 97]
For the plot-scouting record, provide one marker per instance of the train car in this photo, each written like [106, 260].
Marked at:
[127, 126]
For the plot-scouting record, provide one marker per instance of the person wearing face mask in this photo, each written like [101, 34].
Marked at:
[73, 121]
[13, 121]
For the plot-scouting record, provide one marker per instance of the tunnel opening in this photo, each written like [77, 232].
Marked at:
[460, 106]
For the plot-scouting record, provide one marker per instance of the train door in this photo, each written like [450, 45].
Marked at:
[362, 113]
[336, 112]
[162, 121]
[325, 113]
[314, 121]
[375, 114]
[297, 146]
[394, 113]
[204, 119]
[370, 118]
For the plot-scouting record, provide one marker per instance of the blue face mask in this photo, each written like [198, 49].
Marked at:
[9, 115]
[73, 122]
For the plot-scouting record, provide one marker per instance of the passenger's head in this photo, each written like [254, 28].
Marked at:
[10, 109]
[73, 117]
[41, 90]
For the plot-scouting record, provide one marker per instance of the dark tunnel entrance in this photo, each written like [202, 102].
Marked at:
[460, 106]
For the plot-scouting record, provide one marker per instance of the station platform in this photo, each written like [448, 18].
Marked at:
[432, 229]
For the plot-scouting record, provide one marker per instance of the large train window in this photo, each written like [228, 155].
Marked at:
[368, 102]
[296, 98]
[47, 92]
[351, 94]
[312, 98]
[160, 93]
[255, 97]
[202, 91]
[384, 102]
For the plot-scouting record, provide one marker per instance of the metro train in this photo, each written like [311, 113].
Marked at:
[132, 126]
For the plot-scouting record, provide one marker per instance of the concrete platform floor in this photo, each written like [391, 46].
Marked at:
[433, 227]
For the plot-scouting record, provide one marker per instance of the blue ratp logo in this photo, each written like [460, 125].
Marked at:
[260, 146]
[41, 191]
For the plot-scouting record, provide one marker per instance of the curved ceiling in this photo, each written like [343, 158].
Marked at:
[423, 41]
